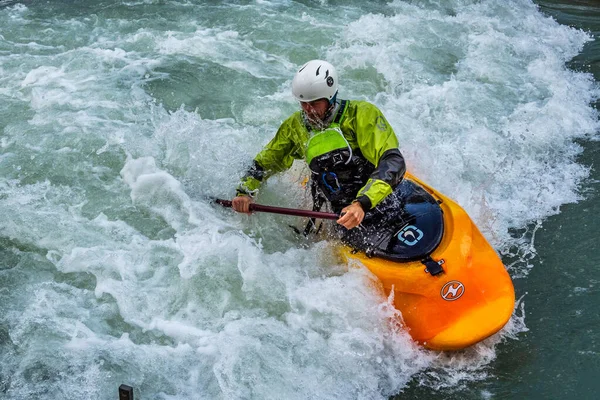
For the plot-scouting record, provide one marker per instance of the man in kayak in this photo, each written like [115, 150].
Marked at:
[349, 146]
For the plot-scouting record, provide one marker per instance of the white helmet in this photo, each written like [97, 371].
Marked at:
[316, 79]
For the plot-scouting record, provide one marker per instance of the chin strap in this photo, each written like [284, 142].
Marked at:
[318, 201]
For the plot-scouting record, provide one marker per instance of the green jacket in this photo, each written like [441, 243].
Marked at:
[364, 127]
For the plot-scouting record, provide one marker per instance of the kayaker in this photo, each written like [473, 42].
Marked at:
[349, 146]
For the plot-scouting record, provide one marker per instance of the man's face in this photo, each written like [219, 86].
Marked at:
[315, 110]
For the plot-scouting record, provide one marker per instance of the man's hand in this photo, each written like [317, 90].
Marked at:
[242, 204]
[352, 216]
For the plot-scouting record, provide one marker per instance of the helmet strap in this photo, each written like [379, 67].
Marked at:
[331, 111]
[333, 100]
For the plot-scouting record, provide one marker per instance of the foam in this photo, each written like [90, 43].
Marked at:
[225, 47]
[495, 129]
[133, 275]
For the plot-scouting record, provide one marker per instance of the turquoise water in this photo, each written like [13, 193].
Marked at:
[120, 119]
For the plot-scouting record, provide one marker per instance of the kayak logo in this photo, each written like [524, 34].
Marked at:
[410, 235]
[452, 290]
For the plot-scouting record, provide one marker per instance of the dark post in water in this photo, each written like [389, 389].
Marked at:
[125, 392]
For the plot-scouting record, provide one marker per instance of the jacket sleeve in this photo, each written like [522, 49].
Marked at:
[277, 156]
[378, 144]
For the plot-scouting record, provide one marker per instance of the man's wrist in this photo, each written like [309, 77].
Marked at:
[243, 192]
[364, 202]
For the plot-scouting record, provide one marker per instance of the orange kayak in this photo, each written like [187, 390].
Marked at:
[456, 291]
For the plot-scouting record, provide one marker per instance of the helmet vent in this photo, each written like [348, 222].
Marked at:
[317, 74]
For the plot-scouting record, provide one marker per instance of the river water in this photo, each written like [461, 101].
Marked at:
[119, 120]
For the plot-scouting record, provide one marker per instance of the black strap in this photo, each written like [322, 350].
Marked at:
[318, 201]
[340, 112]
[433, 267]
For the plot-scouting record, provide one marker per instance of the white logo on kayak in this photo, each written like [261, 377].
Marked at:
[452, 290]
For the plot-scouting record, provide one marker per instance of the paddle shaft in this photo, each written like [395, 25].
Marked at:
[283, 210]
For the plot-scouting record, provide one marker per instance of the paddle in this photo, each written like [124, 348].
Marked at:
[282, 210]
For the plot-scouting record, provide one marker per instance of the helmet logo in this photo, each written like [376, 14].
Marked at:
[330, 81]
[452, 290]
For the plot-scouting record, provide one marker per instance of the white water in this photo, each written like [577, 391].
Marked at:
[121, 121]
